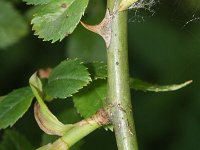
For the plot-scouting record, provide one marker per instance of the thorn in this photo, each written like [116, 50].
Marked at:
[103, 28]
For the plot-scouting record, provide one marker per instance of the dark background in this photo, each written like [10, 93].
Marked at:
[163, 49]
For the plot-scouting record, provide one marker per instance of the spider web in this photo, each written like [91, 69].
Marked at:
[183, 15]
[190, 10]
[143, 9]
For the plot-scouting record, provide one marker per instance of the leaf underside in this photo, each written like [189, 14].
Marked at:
[138, 84]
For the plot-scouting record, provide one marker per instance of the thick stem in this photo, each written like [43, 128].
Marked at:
[119, 101]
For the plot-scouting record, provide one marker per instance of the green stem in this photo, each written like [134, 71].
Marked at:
[80, 130]
[119, 100]
[74, 135]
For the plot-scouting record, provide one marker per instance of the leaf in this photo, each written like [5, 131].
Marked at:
[67, 116]
[91, 98]
[14, 105]
[45, 119]
[57, 19]
[67, 78]
[138, 84]
[12, 140]
[12, 25]
[98, 70]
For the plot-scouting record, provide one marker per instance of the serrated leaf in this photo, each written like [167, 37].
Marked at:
[14, 105]
[57, 19]
[98, 70]
[12, 140]
[67, 78]
[138, 84]
[11, 31]
[91, 98]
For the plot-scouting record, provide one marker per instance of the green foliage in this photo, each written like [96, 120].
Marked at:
[138, 84]
[91, 98]
[2, 97]
[57, 19]
[98, 70]
[12, 140]
[12, 25]
[150, 58]
[14, 105]
[45, 119]
[67, 78]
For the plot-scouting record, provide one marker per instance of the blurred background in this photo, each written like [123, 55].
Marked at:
[164, 48]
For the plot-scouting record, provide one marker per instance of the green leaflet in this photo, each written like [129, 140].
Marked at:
[57, 18]
[91, 98]
[138, 84]
[98, 70]
[67, 78]
[12, 140]
[11, 31]
[14, 105]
